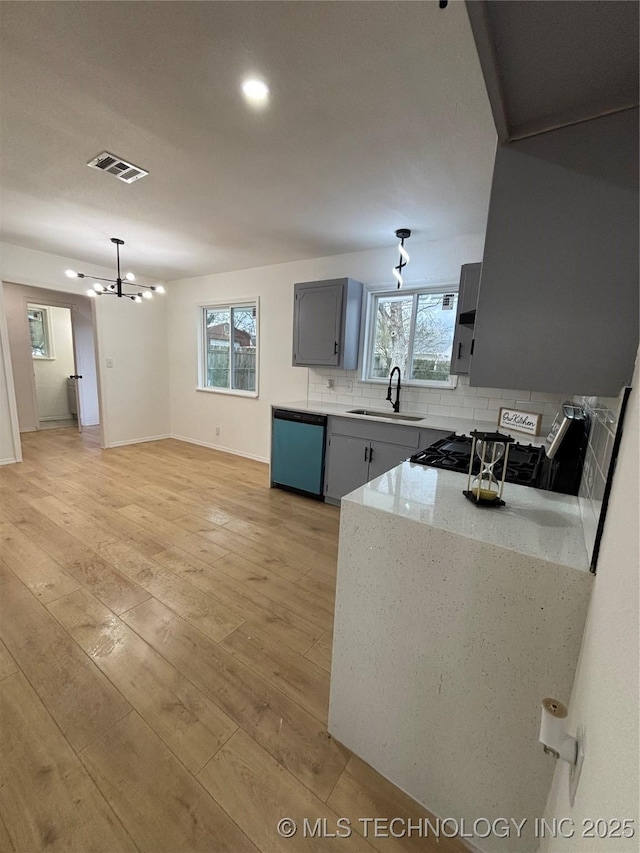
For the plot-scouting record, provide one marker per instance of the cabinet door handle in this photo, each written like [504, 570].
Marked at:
[459, 350]
[370, 454]
[472, 345]
[366, 454]
[335, 347]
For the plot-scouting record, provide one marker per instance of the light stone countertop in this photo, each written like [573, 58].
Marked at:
[461, 426]
[452, 622]
[536, 523]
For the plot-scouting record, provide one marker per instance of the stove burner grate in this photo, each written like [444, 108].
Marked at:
[453, 454]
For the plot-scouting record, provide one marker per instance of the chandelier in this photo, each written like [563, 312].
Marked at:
[113, 286]
[402, 234]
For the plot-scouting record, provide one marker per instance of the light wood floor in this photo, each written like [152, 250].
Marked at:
[165, 650]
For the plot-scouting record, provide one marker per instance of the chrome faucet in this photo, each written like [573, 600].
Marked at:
[396, 405]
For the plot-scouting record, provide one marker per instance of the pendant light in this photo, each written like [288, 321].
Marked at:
[402, 234]
[114, 286]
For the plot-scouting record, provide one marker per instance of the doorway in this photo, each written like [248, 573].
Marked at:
[54, 366]
[52, 346]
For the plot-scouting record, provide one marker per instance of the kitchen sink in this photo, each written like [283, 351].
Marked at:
[394, 416]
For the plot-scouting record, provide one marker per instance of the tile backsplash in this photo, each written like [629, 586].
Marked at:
[483, 404]
[461, 402]
[604, 413]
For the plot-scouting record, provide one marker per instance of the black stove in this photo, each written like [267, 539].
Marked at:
[453, 453]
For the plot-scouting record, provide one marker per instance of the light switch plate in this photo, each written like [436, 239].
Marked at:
[109, 362]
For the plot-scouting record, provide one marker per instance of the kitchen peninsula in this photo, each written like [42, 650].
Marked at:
[452, 623]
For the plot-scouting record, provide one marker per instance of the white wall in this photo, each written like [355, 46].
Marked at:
[606, 689]
[52, 373]
[244, 422]
[134, 393]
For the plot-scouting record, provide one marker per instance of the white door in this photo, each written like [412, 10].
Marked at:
[76, 376]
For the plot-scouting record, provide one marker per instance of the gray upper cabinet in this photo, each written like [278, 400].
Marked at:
[326, 323]
[467, 303]
[558, 305]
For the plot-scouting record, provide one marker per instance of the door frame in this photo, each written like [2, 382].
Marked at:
[55, 299]
[7, 370]
[54, 303]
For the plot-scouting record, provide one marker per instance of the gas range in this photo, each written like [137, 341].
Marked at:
[453, 453]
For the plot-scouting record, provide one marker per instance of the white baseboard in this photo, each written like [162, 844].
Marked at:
[8, 461]
[137, 440]
[220, 448]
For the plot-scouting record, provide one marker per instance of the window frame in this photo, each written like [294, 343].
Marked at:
[372, 294]
[46, 327]
[225, 305]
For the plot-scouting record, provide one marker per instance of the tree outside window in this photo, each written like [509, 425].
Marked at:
[39, 332]
[413, 330]
[230, 347]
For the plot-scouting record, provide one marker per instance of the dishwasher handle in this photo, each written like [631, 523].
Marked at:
[299, 417]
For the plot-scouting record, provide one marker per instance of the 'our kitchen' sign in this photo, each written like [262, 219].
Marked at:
[528, 422]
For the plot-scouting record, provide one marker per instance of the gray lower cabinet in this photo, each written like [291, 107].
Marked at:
[326, 323]
[358, 452]
[384, 457]
[347, 467]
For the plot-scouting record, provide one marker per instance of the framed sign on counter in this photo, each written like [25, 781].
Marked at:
[528, 422]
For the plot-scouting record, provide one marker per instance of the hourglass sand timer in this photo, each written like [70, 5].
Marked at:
[490, 447]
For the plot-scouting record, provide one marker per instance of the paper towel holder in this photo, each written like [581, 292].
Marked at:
[565, 746]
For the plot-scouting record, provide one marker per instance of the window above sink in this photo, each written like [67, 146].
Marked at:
[413, 329]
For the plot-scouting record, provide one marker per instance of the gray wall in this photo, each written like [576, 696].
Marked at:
[558, 302]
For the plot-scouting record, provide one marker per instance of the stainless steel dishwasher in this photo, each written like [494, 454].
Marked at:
[297, 451]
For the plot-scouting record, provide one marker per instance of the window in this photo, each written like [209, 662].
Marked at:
[412, 329]
[230, 347]
[40, 332]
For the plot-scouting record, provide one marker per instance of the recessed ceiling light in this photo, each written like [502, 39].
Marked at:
[255, 91]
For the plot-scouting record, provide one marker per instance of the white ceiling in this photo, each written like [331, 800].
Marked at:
[378, 119]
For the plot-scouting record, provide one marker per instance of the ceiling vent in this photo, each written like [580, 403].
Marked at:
[123, 171]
